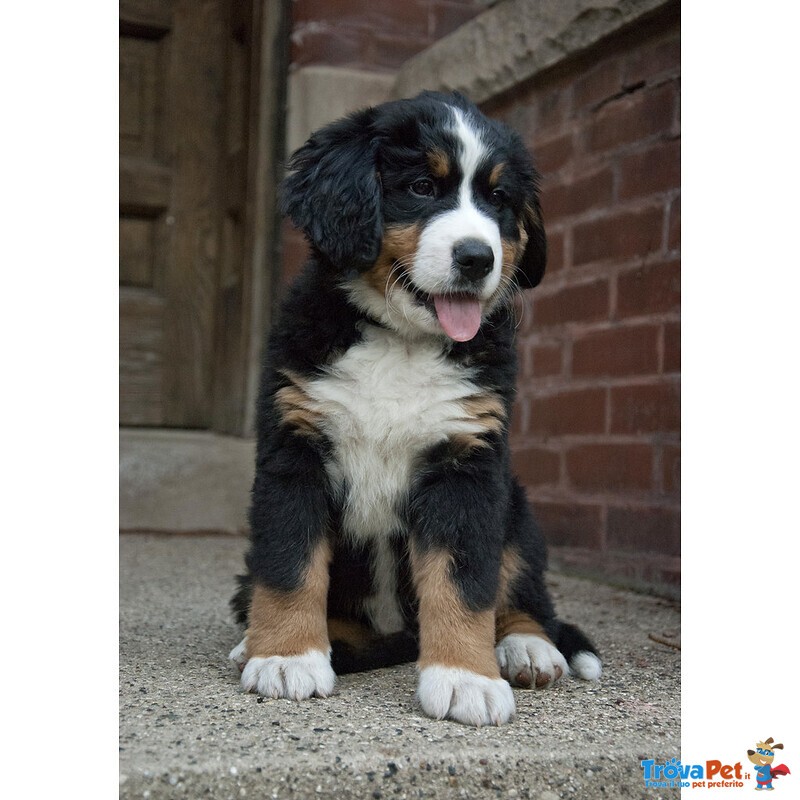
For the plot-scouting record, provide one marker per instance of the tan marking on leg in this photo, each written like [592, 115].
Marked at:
[292, 623]
[439, 163]
[451, 634]
[511, 566]
[296, 408]
[398, 247]
[353, 633]
[509, 619]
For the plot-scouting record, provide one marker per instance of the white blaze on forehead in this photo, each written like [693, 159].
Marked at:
[473, 151]
[433, 265]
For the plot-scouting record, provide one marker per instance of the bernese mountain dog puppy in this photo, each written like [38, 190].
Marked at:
[386, 524]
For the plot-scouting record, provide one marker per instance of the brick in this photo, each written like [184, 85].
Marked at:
[641, 114]
[621, 236]
[409, 17]
[674, 225]
[569, 412]
[585, 302]
[519, 419]
[616, 352]
[656, 169]
[391, 52]
[600, 83]
[546, 359]
[552, 154]
[570, 524]
[555, 251]
[610, 467]
[568, 199]
[553, 107]
[671, 469]
[449, 16]
[645, 530]
[649, 408]
[672, 347]
[649, 289]
[658, 60]
[536, 466]
[333, 47]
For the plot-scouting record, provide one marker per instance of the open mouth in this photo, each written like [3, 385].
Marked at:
[459, 313]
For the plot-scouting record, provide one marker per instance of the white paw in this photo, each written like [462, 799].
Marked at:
[586, 665]
[239, 655]
[526, 660]
[464, 696]
[295, 677]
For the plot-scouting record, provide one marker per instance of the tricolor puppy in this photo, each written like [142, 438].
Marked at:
[386, 523]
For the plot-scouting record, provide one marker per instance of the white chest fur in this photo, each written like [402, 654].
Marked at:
[381, 405]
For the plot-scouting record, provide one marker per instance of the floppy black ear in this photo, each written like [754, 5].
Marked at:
[534, 258]
[333, 193]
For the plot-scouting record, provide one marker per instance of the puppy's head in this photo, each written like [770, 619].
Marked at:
[428, 211]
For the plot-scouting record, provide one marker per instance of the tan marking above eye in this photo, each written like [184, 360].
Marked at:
[495, 174]
[439, 163]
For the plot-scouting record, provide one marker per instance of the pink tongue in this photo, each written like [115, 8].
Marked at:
[459, 315]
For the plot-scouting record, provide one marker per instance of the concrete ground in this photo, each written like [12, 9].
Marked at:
[187, 731]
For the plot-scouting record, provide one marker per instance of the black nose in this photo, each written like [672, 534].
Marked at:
[473, 259]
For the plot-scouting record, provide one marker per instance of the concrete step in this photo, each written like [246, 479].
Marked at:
[180, 481]
[186, 729]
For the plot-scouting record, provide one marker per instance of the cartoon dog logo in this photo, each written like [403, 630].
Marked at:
[762, 757]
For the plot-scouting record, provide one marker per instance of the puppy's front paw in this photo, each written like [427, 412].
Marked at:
[295, 677]
[238, 656]
[526, 660]
[464, 696]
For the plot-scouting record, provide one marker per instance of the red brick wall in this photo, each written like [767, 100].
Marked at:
[596, 433]
[374, 35]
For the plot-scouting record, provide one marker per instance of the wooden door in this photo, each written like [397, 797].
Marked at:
[172, 80]
[202, 94]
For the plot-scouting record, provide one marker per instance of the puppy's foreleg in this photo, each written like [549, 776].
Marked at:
[286, 645]
[459, 677]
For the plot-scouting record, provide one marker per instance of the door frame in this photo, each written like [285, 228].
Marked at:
[261, 248]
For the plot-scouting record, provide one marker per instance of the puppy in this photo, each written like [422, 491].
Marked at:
[386, 524]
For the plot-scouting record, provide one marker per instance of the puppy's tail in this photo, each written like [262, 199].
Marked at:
[581, 654]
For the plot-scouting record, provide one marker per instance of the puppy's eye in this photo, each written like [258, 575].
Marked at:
[423, 187]
[498, 198]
